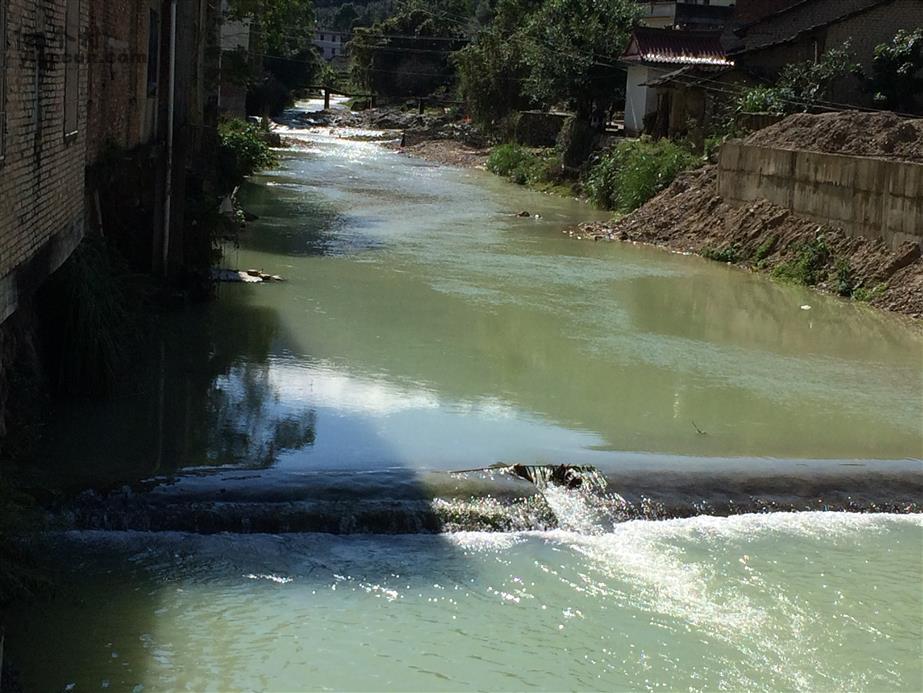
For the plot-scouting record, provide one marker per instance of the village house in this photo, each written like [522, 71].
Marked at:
[331, 45]
[676, 82]
[654, 53]
[805, 30]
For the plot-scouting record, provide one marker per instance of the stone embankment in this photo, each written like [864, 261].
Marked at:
[830, 251]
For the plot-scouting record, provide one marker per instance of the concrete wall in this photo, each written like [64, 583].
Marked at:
[42, 167]
[875, 198]
[639, 98]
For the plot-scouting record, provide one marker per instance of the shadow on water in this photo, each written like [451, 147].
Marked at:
[205, 419]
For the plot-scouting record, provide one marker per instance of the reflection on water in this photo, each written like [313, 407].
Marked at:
[423, 325]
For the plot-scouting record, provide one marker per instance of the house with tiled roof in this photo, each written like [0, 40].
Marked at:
[653, 53]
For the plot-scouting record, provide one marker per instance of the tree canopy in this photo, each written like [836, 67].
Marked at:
[546, 52]
[408, 53]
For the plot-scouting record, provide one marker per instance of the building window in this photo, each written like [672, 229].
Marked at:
[71, 67]
[2, 79]
[153, 53]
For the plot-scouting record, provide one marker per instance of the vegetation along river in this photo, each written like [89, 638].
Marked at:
[424, 327]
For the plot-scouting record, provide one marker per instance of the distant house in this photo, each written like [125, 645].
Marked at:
[235, 64]
[655, 53]
[331, 44]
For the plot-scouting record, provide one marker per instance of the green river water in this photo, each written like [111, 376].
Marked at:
[424, 326]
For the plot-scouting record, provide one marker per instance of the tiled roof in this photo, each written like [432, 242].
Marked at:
[671, 47]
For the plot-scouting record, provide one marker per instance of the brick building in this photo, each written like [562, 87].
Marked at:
[43, 130]
[805, 30]
[85, 132]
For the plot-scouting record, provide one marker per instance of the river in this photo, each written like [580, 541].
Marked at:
[424, 327]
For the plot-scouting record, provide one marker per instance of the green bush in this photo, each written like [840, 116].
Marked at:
[806, 266]
[730, 253]
[633, 171]
[523, 166]
[243, 149]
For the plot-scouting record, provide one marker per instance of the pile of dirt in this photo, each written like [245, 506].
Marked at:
[882, 135]
[690, 216]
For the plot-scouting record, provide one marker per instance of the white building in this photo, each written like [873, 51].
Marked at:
[331, 44]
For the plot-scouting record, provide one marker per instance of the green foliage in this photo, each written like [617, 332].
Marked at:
[865, 294]
[895, 81]
[574, 49]
[633, 171]
[390, 65]
[286, 27]
[243, 149]
[807, 265]
[523, 166]
[729, 253]
[845, 279]
[800, 85]
[344, 17]
[492, 70]
[766, 247]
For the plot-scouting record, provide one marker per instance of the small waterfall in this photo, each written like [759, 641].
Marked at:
[577, 496]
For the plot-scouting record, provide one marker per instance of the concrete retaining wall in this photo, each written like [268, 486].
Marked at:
[875, 198]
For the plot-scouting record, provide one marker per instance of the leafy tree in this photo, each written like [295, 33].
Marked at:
[344, 17]
[492, 71]
[284, 27]
[896, 80]
[574, 49]
[408, 53]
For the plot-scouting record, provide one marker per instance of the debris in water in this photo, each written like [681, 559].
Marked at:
[699, 430]
[805, 307]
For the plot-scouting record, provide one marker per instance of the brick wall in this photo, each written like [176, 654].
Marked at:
[120, 108]
[42, 172]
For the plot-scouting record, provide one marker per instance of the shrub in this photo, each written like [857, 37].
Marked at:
[729, 254]
[865, 294]
[633, 171]
[523, 166]
[766, 247]
[243, 149]
[806, 266]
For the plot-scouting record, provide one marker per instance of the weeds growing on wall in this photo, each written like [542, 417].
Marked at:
[633, 171]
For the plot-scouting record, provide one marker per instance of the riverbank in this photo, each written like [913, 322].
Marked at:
[690, 217]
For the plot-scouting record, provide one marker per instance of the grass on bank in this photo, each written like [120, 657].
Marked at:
[621, 178]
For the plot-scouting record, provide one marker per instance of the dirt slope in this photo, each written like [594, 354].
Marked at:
[690, 216]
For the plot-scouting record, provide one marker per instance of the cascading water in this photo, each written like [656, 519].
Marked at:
[577, 496]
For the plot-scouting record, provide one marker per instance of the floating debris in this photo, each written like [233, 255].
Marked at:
[250, 276]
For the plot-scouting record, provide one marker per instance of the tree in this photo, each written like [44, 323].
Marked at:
[896, 82]
[492, 70]
[574, 49]
[345, 16]
[408, 53]
[283, 27]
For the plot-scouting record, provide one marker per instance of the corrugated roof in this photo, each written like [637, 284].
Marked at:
[671, 47]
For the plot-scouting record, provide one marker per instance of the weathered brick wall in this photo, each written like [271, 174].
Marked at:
[42, 172]
[117, 40]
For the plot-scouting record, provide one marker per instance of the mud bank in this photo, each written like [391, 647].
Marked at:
[690, 217]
